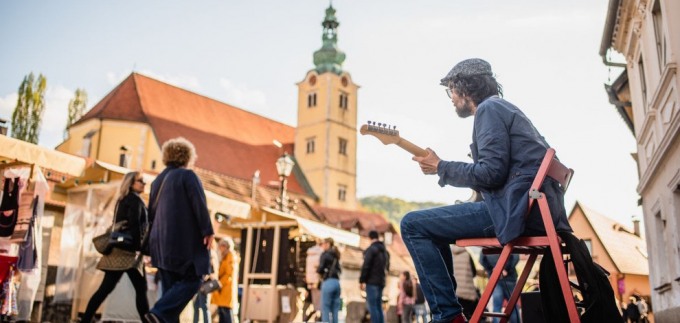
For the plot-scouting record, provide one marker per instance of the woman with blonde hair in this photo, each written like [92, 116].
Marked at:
[130, 215]
[181, 233]
[329, 269]
[223, 298]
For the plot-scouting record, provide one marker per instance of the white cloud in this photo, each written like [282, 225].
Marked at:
[241, 96]
[7, 105]
[56, 113]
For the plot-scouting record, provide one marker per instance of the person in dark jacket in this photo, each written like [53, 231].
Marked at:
[506, 151]
[329, 269]
[506, 283]
[131, 216]
[372, 279]
[181, 231]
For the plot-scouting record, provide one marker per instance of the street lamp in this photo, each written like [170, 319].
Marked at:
[284, 166]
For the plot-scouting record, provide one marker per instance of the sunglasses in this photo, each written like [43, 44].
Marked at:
[141, 181]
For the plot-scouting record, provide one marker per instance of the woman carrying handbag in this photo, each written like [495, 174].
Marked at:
[130, 217]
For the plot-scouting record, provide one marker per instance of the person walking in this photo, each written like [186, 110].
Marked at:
[407, 297]
[181, 231]
[420, 307]
[373, 276]
[506, 152]
[506, 283]
[223, 298]
[130, 216]
[329, 269]
[464, 270]
[313, 282]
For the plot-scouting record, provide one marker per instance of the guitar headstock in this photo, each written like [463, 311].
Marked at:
[385, 133]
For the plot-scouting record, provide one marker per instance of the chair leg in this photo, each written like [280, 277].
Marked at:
[493, 281]
[559, 261]
[518, 287]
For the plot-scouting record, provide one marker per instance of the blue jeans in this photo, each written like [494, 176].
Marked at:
[330, 300]
[374, 303]
[201, 304]
[427, 235]
[421, 313]
[502, 292]
[178, 290]
[224, 314]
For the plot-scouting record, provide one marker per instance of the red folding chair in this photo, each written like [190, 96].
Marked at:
[532, 246]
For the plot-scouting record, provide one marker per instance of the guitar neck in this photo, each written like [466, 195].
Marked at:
[411, 148]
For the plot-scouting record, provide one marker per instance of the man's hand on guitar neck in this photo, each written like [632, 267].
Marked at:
[428, 164]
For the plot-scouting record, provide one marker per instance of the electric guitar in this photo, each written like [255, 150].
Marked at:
[389, 135]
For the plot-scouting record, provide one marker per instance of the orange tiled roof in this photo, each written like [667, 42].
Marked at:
[627, 250]
[347, 219]
[228, 140]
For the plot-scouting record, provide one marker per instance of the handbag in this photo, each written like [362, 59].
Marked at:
[114, 237]
[210, 285]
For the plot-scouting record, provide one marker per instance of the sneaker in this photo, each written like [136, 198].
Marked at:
[152, 318]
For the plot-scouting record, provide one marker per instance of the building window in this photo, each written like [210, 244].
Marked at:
[311, 100]
[310, 145]
[343, 146]
[661, 263]
[657, 20]
[344, 101]
[87, 143]
[643, 83]
[342, 192]
[589, 245]
[153, 164]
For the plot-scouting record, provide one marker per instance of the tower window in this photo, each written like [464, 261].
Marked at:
[342, 192]
[643, 83]
[310, 145]
[344, 101]
[311, 100]
[342, 146]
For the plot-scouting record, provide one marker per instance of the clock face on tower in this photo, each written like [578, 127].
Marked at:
[312, 80]
[344, 81]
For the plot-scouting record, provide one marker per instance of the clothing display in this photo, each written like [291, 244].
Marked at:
[20, 238]
[10, 196]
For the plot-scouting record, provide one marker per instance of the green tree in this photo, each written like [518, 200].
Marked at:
[27, 115]
[76, 109]
[394, 209]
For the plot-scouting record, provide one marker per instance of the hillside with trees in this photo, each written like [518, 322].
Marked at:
[393, 208]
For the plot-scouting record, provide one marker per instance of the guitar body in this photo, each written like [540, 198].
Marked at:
[391, 137]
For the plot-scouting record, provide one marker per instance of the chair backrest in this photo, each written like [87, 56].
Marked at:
[552, 167]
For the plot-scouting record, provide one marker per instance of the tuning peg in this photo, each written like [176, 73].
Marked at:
[369, 122]
[395, 127]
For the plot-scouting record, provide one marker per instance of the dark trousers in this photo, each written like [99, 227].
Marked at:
[224, 314]
[178, 290]
[109, 282]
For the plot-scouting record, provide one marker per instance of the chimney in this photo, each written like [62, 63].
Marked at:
[636, 226]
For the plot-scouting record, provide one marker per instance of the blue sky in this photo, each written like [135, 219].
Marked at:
[251, 53]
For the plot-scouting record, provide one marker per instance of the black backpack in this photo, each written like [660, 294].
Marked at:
[598, 296]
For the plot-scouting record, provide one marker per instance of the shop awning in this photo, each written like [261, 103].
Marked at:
[319, 230]
[14, 149]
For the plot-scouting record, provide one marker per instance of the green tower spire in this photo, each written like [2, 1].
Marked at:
[329, 58]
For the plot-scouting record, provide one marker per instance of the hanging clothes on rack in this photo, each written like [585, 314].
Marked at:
[28, 254]
[25, 215]
[10, 195]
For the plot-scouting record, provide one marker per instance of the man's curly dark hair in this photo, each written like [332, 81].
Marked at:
[477, 87]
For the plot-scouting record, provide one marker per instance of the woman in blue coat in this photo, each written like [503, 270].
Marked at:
[181, 232]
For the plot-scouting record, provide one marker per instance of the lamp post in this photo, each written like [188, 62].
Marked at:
[284, 165]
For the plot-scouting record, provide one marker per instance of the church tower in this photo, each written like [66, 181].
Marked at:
[326, 135]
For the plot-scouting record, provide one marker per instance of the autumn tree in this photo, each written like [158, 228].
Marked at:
[27, 115]
[76, 109]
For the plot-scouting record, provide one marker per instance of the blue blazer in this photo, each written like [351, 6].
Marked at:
[507, 151]
[180, 220]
